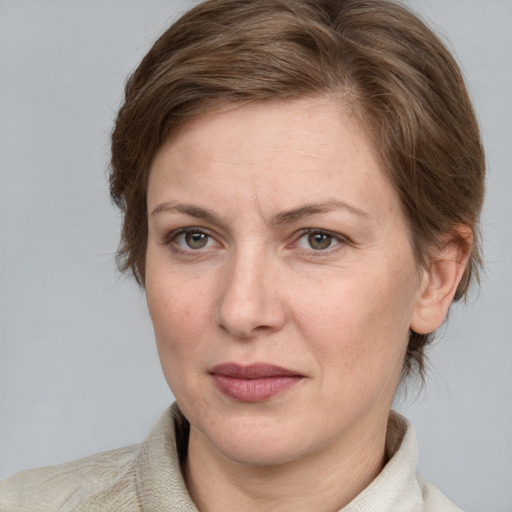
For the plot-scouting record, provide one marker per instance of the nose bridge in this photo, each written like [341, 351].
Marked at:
[248, 300]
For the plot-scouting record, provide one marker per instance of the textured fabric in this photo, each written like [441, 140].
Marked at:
[147, 478]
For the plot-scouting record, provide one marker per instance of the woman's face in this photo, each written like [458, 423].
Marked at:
[280, 280]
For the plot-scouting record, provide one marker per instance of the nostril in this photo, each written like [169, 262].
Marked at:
[247, 300]
[250, 318]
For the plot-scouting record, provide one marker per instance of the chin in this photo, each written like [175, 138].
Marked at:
[260, 448]
[256, 439]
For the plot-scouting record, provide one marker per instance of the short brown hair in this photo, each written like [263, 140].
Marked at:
[390, 68]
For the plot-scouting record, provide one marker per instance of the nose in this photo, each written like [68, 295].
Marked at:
[250, 302]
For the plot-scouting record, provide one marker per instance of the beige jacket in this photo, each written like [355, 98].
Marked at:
[147, 478]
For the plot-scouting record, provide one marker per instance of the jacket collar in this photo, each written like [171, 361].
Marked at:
[396, 488]
[161, 486]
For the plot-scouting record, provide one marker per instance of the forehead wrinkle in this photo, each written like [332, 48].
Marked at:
[259, 208]
[307, 210]
[195, 211]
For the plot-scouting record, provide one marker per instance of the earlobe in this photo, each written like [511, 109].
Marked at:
[440, 281]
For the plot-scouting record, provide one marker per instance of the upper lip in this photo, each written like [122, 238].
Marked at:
[252, 371]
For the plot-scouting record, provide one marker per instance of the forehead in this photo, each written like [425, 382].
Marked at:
[274, 116]
[280, 152]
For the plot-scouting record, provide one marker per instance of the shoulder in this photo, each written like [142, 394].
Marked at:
[74, 485]
[434, 499]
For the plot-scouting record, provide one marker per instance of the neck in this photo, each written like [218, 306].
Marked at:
[321, 482]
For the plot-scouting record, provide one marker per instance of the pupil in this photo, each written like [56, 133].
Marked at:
[196, 240]
[319, 240]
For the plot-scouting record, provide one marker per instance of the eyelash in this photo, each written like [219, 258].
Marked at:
[170, 241]
[318, 253]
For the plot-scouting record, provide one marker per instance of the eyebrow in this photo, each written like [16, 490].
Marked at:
[285, 217]
[188, 209]
[307, 210]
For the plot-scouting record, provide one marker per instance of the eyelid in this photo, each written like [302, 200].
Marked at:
[340, 239]
[173, 235]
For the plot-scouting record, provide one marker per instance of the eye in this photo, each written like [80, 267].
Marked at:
[192, 239]
[318, 240]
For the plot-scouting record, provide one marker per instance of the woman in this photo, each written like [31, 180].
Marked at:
[301, 183]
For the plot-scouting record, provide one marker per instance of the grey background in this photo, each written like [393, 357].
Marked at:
[79, 371]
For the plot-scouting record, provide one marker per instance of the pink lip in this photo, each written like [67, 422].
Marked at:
[253, 383]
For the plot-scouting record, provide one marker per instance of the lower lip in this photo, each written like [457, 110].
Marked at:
[254, 390]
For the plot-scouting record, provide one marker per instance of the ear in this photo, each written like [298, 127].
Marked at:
[441, 279]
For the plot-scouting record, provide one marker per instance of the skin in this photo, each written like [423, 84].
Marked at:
[257, 291]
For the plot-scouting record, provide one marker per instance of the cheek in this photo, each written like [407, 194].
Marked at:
[357, 323]
[181, 313]
[177, 318]
[175, 300]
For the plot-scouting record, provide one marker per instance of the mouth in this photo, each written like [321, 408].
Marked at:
[253, 383]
